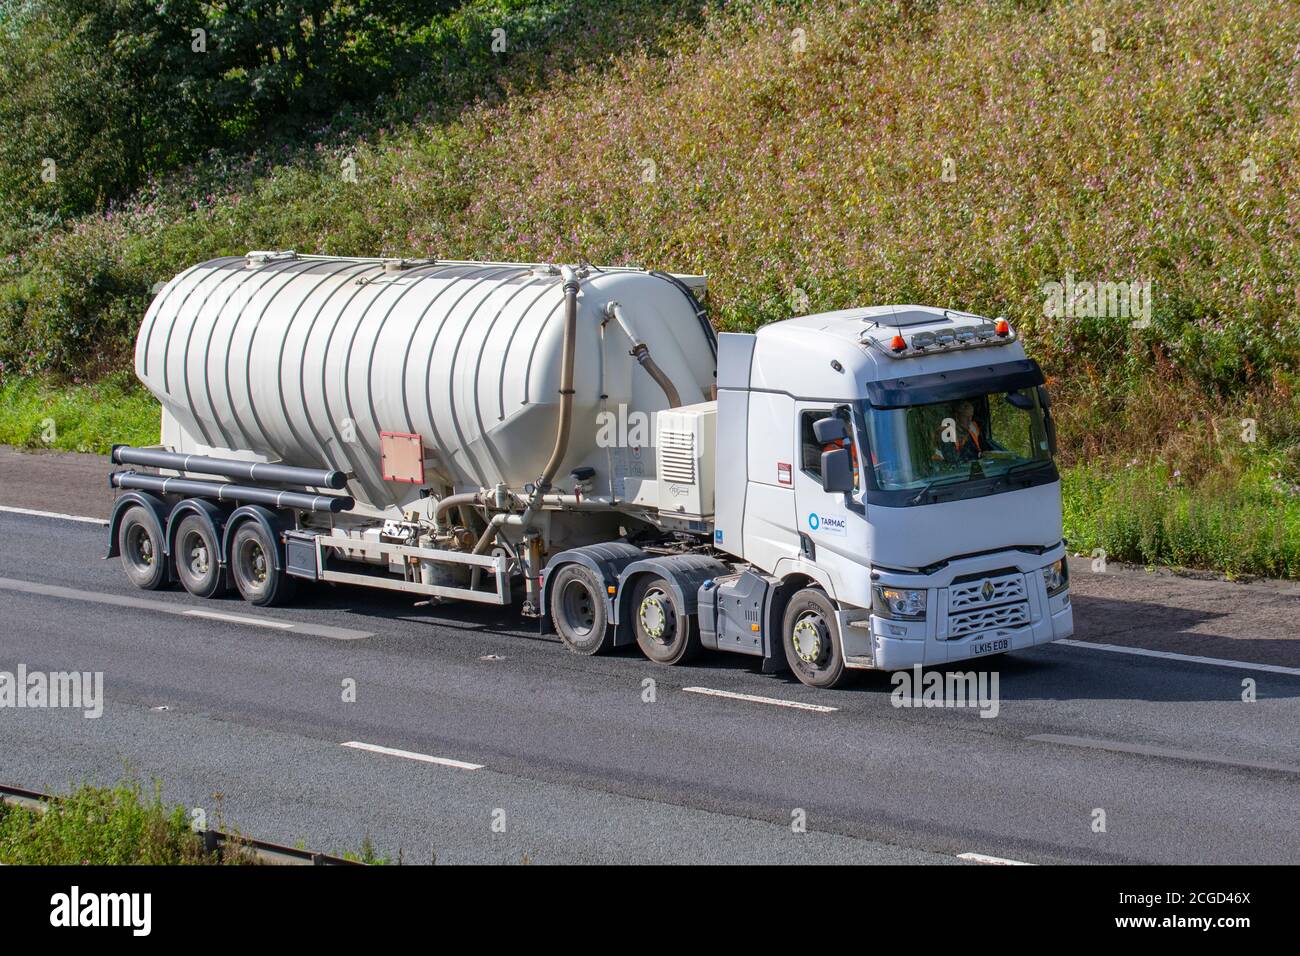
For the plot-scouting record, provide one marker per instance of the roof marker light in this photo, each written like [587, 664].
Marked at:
[898, 344]
[1003, 327]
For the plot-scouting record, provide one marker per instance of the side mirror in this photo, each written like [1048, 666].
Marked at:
[1048, 422]
[829, 429]
[837, 470]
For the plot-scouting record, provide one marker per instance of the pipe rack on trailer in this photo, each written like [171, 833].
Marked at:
[230, 468]
[224, 491]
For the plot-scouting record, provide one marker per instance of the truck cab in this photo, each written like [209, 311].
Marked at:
[898, 459]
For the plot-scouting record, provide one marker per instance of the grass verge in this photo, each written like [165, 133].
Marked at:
[100, 826]
[87, 418]
[1247, 526]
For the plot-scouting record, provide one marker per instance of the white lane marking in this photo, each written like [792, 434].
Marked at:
[411, 755]
[240, 619]
[102, 522]
[1185, 658]
[992, 860]
[754, 699]
[1169, 753]
[168, 607]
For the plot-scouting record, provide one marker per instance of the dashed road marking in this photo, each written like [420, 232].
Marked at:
[1168, 753]
[412, 755]
[169, 607]
[755, 699]
[1184, 658]
[991, 860]
[102, 522]
[241, 619]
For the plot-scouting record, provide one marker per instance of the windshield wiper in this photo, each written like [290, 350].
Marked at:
[930, 486]
[1030, 464]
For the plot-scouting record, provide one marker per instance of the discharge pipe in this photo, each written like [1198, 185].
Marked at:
[641, 352]
[230, 468]
[224, 491]
[566, 378]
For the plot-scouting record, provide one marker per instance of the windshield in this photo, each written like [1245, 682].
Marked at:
[918, 448]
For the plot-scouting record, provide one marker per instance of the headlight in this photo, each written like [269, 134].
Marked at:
[899, 604]
[1057, 577]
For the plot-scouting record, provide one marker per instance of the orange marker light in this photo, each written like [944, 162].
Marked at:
[1002, 328]
[898, 345]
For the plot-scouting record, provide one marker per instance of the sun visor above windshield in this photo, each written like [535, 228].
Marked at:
[954, 384]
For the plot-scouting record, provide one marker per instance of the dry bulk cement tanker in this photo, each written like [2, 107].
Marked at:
[579, 440]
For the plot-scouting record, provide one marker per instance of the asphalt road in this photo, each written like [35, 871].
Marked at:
[576, 766]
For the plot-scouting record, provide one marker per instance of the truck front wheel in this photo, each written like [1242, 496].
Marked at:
[578, 610]
[811, 637]
[664, 632]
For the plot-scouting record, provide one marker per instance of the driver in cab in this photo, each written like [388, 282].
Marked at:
[968, 442]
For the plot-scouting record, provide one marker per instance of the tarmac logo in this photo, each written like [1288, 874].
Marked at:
[73, 909]
[978, 689]
[77, 690]
[827, 524]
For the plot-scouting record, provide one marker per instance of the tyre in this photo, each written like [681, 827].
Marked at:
[252, 565]
[579, 611]
[664, 632]
[196, 557]
[141, 547]
[810, 635]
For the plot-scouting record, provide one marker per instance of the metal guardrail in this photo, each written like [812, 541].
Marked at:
[214, 841]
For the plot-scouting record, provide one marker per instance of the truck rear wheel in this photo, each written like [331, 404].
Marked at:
[664, 632]
[196, 558]
[811, 637]
[252, 565]
[578, 610]
[143, 557]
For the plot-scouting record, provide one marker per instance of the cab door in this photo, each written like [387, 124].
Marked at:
[831, 525]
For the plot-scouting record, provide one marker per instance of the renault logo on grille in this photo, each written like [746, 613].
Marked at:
[987, 590]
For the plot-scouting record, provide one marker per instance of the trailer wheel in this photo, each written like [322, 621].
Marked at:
[664, 632]
[811, 637]
[141, 547]
[252, 565]
[578, 610]
[197, 564]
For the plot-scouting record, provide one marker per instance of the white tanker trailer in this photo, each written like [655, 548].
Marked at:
[869, 488]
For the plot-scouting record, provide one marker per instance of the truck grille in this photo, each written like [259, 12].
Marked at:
[984, 591]
[983, 619]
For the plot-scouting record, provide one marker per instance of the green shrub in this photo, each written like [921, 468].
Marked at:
[98, 826]
[1151, 516]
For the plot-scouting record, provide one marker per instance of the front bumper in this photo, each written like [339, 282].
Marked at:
[892, 653]
[884, 644]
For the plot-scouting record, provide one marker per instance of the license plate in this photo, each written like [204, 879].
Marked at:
[990, 647]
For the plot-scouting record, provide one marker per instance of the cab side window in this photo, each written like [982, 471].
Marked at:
[810, 449]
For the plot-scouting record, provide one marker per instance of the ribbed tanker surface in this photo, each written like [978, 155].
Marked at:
[306, 360]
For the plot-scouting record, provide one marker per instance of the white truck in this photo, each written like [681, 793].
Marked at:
[868, 488]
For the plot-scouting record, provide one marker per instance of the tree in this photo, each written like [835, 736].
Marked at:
[97, 94]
